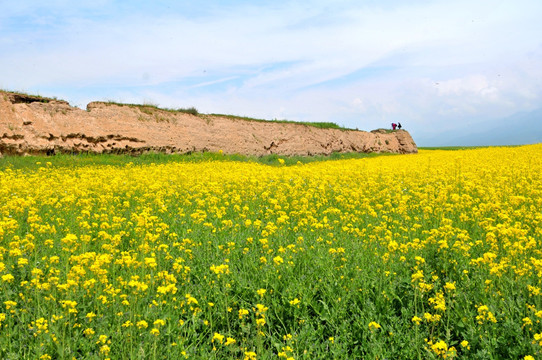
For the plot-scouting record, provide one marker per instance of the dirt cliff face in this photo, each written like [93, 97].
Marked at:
[34, 125]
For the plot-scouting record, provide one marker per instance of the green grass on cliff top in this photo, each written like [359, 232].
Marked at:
[193, 111]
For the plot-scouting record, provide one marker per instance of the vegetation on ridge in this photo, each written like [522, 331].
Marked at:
[146, 107]
[39, 98]
[320, 125]
[150, 108]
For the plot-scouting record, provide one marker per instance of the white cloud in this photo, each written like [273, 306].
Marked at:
[441, 60]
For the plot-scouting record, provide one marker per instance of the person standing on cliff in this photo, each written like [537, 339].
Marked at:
[393, 126]
[399, 126]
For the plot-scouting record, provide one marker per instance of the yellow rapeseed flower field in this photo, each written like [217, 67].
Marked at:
[435, 255]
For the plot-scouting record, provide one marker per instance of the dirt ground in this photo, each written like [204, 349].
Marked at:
[33, 125]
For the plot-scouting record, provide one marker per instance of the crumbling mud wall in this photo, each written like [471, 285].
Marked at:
[36, 125]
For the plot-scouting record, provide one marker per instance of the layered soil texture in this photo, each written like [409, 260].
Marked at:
[36, 125]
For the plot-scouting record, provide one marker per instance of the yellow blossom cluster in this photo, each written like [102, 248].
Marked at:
[441, 251]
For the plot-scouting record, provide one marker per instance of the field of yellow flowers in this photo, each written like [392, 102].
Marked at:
[435, 255]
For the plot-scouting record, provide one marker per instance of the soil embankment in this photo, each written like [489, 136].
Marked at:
[35, 125]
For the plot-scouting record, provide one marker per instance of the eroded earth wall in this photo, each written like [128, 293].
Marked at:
[34, 125]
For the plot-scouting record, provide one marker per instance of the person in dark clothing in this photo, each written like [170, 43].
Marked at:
[399, 126]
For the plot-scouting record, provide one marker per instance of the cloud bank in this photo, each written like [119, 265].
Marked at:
[441, 68]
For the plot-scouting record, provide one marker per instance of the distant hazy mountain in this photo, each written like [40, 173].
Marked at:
[521, 128]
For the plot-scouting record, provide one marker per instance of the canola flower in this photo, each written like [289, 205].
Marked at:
[435, 255]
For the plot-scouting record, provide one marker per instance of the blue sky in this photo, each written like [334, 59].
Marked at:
[444, 69]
